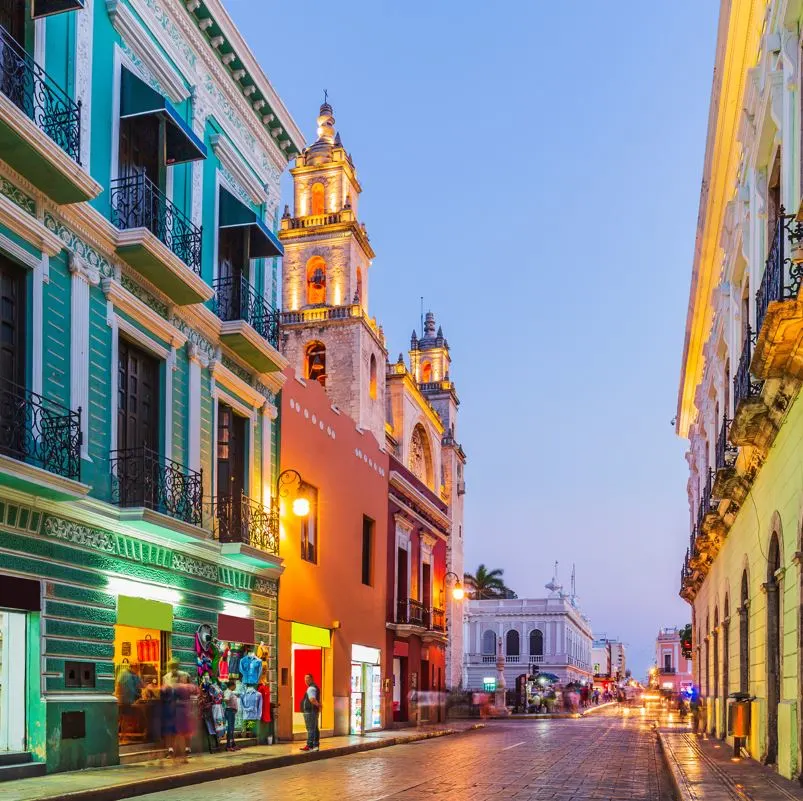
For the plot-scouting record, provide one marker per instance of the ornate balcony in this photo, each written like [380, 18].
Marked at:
[246, 529]
[40, 444]
[412, 613]
[40, 127]
[727, 482]
[250, 325]
[779, 313]
[750, 411]
[437, 619]
[141, 479]
[157, 240]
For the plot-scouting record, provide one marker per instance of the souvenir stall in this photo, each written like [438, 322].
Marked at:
[231, 660]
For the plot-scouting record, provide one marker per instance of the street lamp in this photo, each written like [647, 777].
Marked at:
[458, 592]
[285, 482]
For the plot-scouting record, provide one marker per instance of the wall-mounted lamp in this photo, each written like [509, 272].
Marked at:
[286, 481]
[458, 591]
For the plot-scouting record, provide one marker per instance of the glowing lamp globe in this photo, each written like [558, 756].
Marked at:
[300, 507]
[458, 593]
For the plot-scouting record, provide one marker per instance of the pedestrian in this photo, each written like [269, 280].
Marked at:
[167, 715]
[311, 707]
[231, 703]
[186, 716]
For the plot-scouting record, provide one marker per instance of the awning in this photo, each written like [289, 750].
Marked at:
[137, 99]
[234, 214]
[44, 8]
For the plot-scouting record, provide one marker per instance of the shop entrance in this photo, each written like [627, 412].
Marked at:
[12, 680]
[140, 663]
[306, 659]
[365, 712]
[399, 689]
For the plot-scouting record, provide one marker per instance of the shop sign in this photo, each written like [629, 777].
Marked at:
[362, 653]
[144, 614]
[303, 634]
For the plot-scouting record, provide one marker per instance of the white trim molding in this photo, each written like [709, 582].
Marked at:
[233, 162]
[28, 227]
[142, 44]
[226, 378]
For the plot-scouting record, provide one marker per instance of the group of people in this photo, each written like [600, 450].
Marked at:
[151, 712]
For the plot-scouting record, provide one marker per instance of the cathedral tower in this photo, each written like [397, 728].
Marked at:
[429, 363]
[328, 335]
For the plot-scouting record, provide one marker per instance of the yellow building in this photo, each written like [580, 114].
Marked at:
[739, 402]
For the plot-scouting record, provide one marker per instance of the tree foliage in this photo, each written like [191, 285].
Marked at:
[485, 583]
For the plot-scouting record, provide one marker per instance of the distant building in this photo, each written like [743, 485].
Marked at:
[550, 634]
[674, 671]
[608, 659]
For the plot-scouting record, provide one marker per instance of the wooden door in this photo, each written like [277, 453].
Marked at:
[232, 267]
[139, 147]
[137, 398]
[12, 323]
[230, 452]
[12, 18]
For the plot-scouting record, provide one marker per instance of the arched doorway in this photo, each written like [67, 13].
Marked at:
[744, 636]
[773, 649]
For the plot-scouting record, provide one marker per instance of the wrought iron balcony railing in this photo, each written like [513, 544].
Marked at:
[39, 97]
[244, 520]
[781, 279]
[437, 619]
[412, 612]
[707, 502]
[745, 386]
[726, 452]
[236, 299]
[138, 203]
[39, 431]
[140, 477]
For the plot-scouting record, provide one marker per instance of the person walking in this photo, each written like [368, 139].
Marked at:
[311, 707]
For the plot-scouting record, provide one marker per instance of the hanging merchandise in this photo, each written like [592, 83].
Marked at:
[262, 651]
[234, 660]
[223, 667]
[251, 704]
[148, 649]
[264, 690]
[250, 669]
[204, 650]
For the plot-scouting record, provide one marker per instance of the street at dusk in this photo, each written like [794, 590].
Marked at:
[401, 401]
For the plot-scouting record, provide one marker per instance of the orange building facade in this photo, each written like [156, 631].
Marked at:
[332, 595]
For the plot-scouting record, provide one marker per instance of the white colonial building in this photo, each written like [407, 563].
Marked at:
[550, 633]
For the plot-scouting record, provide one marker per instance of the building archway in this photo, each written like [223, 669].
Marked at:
[420, 459]
[512, 643]
[723, 718]
[773, 648]
[744, 635]
[317, 199]
[536, 642]
[488, 643]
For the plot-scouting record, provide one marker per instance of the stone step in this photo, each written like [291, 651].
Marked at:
[19, 765]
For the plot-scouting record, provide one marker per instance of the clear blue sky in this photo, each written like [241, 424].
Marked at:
[533, 170]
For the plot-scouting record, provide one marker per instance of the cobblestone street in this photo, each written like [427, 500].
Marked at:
[609, 756]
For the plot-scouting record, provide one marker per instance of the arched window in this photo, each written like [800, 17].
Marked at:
[488, 643]
[426, 372]
[512, 643]
[744, 636]
[420, 461]
[372, 378]
[316, 281]
[359, 285]
[315, 362]
[715, 666]
[536, 643]
[317, 199]
[725, 662]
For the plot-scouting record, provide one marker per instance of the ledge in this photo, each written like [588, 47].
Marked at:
[779, 346]
[33, 154]
[252, 347]
[31, 479]
[29, 228]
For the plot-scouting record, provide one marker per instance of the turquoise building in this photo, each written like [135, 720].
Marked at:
[141, 148]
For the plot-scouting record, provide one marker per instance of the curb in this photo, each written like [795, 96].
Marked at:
[170, 782]
[672, 767]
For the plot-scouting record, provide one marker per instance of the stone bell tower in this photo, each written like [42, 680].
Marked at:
[430, 362]
[327, 333]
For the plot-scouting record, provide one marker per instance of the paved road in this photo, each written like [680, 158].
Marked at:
[600, 757]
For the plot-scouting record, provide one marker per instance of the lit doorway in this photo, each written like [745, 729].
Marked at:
[12, 681]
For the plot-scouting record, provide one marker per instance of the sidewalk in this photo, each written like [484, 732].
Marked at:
[127, 781]
[701, 768]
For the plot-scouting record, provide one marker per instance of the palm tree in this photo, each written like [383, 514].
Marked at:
[486, 583]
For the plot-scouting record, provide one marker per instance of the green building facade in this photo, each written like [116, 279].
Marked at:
[140, 154]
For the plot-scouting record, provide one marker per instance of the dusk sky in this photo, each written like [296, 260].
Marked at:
[533, 170]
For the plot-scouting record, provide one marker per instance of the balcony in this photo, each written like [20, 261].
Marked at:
[438, 619]
[750, 411]
[665, 671]
[40, 127]
[40, 444]
[779, 313]
[250, 326]
[247, 530]
[155, 491]
[728, 484]
[410, 612]
[157, 240]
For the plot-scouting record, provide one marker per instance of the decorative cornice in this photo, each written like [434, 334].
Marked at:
[141, 44]
[27, 227]
[123, 300]
[426, 511]
[235, 164]
[235, 384]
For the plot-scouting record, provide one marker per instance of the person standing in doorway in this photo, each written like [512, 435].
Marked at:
[311, 708]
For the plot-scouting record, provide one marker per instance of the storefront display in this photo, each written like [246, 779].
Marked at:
[366, 690]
